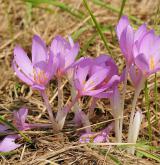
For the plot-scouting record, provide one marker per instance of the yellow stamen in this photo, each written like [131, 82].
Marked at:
[151, 63]
[40, 77]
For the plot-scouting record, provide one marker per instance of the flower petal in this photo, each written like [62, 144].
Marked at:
[142, 63]
[71, 55]
[58, 45]
[21, 75]
[122, 24]
[22, 60]
[126, 43]
[147, 43]
[39, 50]
[95, 79]
[8, 143]
[19, 118]
[135, 75]
[139, 34]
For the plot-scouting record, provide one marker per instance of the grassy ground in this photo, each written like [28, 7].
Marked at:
[19, 22]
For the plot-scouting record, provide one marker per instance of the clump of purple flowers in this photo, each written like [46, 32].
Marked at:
[93, 77]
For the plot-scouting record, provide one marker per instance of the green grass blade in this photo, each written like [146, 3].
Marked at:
[149, 155]
[97, 26]
[122, 8]
[156, 98]
[113, 9]
[116, 161]
[81, 30]
[61, 5]
[147, 103]
[2, 120]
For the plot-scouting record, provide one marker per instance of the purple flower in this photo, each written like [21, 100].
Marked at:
[147, 54]
[38, 71]
[8, 143]
[127, 37]
[96, 137]
[92, 77]
[65, 53]
[19, 119]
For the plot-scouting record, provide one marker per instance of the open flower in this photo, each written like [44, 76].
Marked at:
[147, 54]
[92, 77]
[65, 53]
[38, 71]
[127, 37]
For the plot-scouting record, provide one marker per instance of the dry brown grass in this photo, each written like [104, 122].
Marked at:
[17, 27]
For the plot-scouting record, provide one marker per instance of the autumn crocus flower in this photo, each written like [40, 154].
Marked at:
[147, 62]
[19, 121]
[127, 37]
[112, 78]
[65, 53]
[147, 54]
[91, 78]
[38, 71]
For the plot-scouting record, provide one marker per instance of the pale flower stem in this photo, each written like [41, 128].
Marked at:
[135, 128]
[73, 95]
[117, 131]
[47, 104]
[122, 105]
[136, 95]
[61, 116]
[147, 102]
[60, 94]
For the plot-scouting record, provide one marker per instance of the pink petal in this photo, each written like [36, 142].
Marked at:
[22, 76]
[93, 92]
[23, 62]
[147, 43]
[71, 55]
[95, 79]
[8, 143]
[58, 45]
[122, 24]
[135, 75]
[39, 50]
[139, 34]
[51, 66]
[126, 43]
[142, 63]
[81, 74]
[19, 118]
